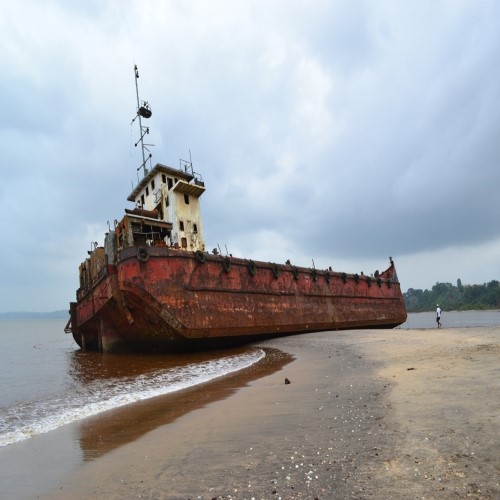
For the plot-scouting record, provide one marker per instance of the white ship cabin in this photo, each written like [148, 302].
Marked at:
[167, 210]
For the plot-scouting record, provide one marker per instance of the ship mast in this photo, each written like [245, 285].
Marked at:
[143, 111]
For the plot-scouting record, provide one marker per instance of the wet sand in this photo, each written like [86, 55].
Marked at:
[367, 414]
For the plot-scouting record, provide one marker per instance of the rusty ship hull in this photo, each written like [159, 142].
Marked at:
[156, 298]
[153, 285]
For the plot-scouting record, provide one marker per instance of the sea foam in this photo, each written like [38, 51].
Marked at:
[26, 420]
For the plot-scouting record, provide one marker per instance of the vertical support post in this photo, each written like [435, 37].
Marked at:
[108, 340]
[100, 334]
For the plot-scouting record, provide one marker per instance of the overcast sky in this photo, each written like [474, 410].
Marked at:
[340, 131]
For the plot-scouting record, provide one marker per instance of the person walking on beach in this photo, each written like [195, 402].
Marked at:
[438, 316]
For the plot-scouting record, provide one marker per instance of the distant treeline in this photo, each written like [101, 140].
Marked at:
[454, 298]
[63, 314]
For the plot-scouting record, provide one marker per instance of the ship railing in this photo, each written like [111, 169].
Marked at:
[158, 195]
[151, 238]
[147, 238]
[95, 280]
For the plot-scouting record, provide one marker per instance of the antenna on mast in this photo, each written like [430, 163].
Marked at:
[143, 111]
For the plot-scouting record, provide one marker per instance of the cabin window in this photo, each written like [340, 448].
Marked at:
[184, 242]
[195, 228]
[167, 201]
[153, 185]
[186, 199]
[170, 182]
[147, 191]
[164, 178]
[142, 200]
[181, 225]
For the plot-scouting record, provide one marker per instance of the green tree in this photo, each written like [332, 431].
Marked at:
[454, 298]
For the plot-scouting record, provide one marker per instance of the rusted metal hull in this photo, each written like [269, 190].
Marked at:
[156, 298]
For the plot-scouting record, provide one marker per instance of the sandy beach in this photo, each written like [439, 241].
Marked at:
[367, 414]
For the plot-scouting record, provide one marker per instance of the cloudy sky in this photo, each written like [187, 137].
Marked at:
[340, 131]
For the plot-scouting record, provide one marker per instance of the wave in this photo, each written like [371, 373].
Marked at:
[25, 420]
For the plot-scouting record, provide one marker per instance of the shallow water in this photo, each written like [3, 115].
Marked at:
[47, 382]
[453, 319]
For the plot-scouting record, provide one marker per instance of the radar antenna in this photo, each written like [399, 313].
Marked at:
[143, 111]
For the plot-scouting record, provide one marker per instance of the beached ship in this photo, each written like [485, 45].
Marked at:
[154, 286]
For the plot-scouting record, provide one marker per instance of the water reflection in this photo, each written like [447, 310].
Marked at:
[89, 367]
[106, 431]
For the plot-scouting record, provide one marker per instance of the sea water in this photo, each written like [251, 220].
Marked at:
[453, 319]
[46, 382]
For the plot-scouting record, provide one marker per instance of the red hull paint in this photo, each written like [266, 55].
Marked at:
[155, 297]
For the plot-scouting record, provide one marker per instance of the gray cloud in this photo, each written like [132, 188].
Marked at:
[338, 132]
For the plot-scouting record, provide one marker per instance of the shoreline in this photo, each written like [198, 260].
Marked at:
[367, 414]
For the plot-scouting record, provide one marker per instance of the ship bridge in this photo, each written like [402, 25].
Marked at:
[172, 196]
